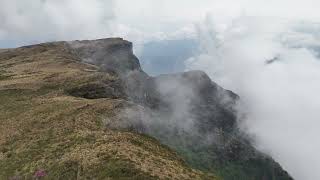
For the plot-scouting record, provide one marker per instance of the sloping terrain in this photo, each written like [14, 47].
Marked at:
[44, 128]
[86, 110]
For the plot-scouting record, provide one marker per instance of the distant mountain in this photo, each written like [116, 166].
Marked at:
[87, 110]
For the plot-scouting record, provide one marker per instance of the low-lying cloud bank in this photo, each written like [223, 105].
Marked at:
[274, 66]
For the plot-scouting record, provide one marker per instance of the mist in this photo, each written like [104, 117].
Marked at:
[37, 21]
[270, 65]
[264, 51]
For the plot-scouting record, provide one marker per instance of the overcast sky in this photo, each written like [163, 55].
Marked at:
[193, 10]
[236, 38]
[42, 20]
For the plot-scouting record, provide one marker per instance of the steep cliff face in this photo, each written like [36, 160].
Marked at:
[54, 109]
[196, 117]
[112, 55]
[193, 115]
[68, 106]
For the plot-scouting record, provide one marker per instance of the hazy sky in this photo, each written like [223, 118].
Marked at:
[42, 20]
[236, 38]
[275, 68]
[193, 10]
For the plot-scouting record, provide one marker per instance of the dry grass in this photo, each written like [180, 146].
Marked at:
[42, 127]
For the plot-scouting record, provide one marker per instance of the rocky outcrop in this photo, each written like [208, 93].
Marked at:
[82, 87]
[112, 54]
[186, 111]
[196, 117]
[54, 109]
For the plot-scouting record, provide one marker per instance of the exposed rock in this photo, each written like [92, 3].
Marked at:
[112, 54]
[186, 111]
[196, 117]
[44, 128]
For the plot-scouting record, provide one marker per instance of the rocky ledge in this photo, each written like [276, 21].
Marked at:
[71, 107]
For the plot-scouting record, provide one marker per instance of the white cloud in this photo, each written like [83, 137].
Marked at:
[45, 20]
[281, 98]
[278, 84]
[39, 20]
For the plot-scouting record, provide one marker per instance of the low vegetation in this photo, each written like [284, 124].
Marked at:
[48, 133]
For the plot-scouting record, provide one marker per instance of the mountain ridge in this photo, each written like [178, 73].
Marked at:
[66, 91]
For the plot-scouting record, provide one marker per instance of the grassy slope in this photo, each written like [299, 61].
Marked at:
[43, 128]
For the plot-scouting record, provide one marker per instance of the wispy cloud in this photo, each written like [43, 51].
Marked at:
[47, 20]
[268, 62]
